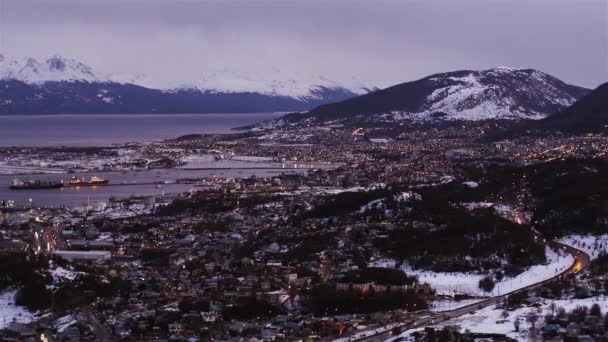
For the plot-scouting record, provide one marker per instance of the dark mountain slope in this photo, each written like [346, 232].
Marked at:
[588, 115]
[80, 97]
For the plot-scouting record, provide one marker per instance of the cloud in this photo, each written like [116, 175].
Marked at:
[382, 42]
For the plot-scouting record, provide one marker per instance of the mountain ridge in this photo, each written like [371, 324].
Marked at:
[60, 85]
[498, 93]
[276, 83]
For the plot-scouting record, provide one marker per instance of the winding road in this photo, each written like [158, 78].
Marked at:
[425, 318]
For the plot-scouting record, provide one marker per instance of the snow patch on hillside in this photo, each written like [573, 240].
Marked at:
[64, 322]
[11, 313]
[499, 93]
[468, 283]
[590, 244]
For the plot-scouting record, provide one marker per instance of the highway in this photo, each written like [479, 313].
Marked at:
[425, 318]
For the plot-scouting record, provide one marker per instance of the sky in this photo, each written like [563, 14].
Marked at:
[380, 42]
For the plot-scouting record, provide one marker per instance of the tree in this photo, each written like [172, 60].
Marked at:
[532, 319]
[596, 310]
[34, 294]
[552, 307]
[579, 313]
[486, 284]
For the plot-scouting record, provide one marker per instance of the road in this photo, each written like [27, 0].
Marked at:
[581, 262]
[101, 331]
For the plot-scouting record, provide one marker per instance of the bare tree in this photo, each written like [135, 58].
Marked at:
[532, 319]
[552, 307]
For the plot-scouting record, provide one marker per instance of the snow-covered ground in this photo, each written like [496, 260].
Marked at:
[468, 283]
[590, 244]
[491, 320]
[471, 184]
[61, 274]
[11, 313]
[6, 169]
[62, 323]
[56, 162]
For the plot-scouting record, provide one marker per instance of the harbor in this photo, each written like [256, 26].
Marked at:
[123, 184]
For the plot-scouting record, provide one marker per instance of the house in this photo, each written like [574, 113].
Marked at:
[274, 263]
[210, 316]
[175, 328]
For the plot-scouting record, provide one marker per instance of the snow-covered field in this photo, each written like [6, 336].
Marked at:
[17, 170]
[491, 320]
[590, 244]
[468, 283]
[11, 313]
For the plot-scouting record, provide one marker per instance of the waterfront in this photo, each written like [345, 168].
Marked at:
[106, 130]
[124, 184]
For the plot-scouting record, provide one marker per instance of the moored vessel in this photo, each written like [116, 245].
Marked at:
[17, 184]
[75, 181]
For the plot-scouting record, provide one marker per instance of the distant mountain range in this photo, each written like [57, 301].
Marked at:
[499, 93]
[62, 85]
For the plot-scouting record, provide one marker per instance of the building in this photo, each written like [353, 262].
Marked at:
[84, 255]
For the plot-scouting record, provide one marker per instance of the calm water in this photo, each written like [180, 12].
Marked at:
[105, 130]
[122, 184]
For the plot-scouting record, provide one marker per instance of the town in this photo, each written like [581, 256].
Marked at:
[390, 233]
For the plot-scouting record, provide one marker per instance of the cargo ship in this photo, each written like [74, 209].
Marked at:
[74, 181]
[16, 184]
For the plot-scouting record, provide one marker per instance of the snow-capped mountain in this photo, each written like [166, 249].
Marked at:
[275, 82]
[54, 69]
[64, 85]
[499, 93]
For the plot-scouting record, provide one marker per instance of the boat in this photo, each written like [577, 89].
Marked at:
[75, 181]
[17, 184]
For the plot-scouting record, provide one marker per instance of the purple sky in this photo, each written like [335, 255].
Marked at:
[380, 42]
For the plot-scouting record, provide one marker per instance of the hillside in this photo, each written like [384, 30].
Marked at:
[499, 93]
[588, 115]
